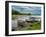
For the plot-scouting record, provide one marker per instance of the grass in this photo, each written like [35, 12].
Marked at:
[34, 26]
[29, 26]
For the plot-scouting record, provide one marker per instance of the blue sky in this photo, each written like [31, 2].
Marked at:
[27, 9]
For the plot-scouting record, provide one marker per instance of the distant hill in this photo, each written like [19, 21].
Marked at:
[14, 12]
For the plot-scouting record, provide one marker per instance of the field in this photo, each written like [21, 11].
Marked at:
[36, 25]
[26, 18]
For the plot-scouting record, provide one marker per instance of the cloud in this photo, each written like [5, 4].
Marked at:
[28, 9]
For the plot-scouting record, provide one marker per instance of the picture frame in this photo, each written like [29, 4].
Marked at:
[23, 8]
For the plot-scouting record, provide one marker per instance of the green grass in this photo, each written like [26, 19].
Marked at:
[29, 26]
[34, 26]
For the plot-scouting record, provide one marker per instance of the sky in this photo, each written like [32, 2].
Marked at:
[28, 9]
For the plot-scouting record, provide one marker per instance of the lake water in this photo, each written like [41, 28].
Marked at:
[36, 15]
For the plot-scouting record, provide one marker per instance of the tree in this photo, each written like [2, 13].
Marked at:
[14, 12]
[29, 13]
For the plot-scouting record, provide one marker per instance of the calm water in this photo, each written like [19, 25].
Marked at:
[36, 15]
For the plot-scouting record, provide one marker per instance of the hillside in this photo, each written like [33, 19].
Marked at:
[14, 12]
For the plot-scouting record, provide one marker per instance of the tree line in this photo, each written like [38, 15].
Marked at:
[14, 12]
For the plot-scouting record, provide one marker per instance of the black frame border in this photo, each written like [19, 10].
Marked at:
[7, 17]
